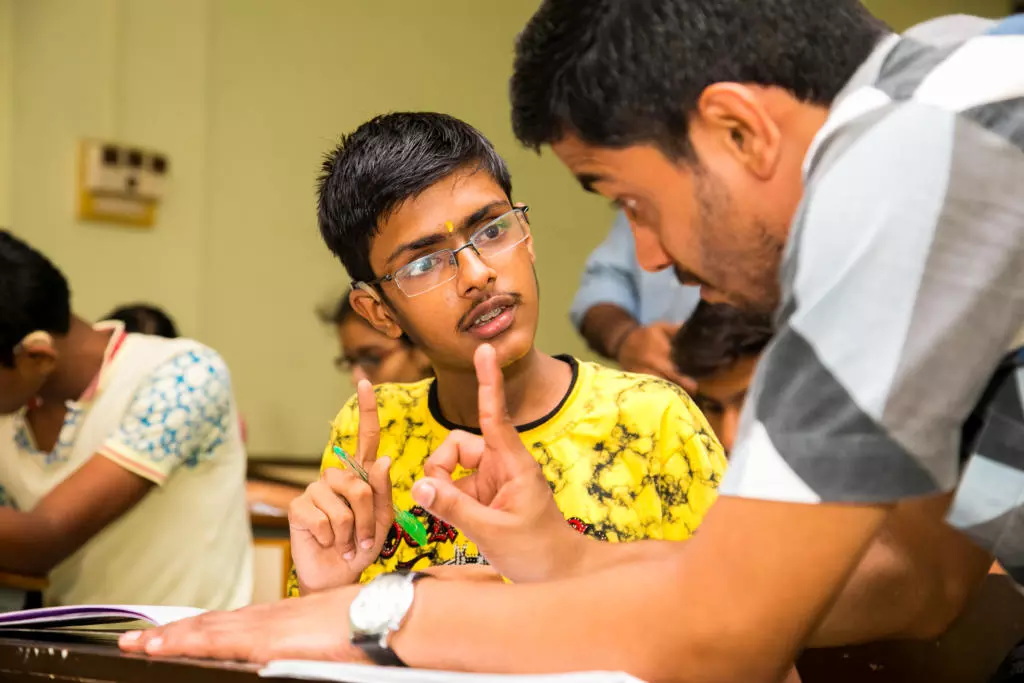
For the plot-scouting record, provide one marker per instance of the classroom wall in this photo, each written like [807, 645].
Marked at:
[245, 96]
[900, 14]
[6, 125]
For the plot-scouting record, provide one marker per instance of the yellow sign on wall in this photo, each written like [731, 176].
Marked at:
[120, 183]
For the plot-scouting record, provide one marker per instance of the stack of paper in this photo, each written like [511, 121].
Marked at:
[359, 673]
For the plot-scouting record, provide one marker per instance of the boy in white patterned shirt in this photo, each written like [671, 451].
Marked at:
[92, 420]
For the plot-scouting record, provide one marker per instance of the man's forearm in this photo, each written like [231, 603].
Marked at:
[698, 612]
[594, 556]
[913, 581]
[605, 327]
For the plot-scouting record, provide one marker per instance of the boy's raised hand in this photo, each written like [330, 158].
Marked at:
[340, 523]
[505, 504]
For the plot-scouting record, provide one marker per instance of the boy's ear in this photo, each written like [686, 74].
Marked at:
[370, 306]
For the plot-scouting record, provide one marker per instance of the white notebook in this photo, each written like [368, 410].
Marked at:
[107, 617]
[361, 673]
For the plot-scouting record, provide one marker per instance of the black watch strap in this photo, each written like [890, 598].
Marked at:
[379, 654]
[375, 645]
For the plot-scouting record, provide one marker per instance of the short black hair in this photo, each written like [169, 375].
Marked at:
[338, 312]
[34, 296]
[386, 161]
[716, 337]
[144, 319]
[622, 72]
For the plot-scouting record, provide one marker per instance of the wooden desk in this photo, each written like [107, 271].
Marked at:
[18, 591]
[35, 659]
[273, 556]
[969, 653]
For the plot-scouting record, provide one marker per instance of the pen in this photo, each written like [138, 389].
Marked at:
[405, 519]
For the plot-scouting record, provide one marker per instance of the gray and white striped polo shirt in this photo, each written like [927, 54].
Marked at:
[903, 293]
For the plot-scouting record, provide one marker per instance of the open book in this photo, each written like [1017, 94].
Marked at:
[361, 673]
[91, 620]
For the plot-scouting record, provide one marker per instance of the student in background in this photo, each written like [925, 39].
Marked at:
[365, 354]
[370, 354]
[718, 347]
[418, 208]
[144, 319]
[122, 468]
[627, 314]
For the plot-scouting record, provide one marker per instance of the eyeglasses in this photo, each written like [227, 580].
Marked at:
[435, 269]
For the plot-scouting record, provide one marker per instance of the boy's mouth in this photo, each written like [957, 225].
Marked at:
[490, 318]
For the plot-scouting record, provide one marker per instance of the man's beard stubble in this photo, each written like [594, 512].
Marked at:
[749, 274]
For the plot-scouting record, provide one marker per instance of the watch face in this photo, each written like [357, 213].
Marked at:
[381, 605]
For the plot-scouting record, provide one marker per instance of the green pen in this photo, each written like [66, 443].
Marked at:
[405, 519]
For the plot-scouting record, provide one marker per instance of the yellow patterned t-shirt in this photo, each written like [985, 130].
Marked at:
[628, 457]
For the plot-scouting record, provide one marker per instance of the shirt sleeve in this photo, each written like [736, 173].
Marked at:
[690, 465]
[177, 418]
[610, 274]
[903, 288]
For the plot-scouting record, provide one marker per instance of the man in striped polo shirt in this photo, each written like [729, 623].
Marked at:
[883, 174]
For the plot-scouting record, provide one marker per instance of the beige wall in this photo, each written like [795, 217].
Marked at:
[901, 14]
[245, 96]
[6, 109]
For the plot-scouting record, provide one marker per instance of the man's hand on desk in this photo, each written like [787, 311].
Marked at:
[505, 504]
[314, 627]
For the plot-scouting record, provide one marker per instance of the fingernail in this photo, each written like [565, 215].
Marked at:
[385, 462]
[130, 636]
[155, 644]
[424, 493]
[366, 544]
[348, 556]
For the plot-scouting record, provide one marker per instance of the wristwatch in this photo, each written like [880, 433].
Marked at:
[378, 611]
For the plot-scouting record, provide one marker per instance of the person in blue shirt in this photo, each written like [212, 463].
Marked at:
[627, 314]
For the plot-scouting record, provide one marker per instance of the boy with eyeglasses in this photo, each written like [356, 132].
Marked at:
[418, 208]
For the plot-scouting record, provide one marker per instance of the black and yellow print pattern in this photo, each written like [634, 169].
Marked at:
[627, 456]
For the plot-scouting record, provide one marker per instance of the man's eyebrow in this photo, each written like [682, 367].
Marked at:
[587, 180]
[439, 237]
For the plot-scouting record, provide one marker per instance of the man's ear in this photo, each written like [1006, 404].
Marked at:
[36, 354]
[371, 307]
[737, 116]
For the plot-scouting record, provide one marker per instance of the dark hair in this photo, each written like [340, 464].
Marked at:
[622, 72]
[144, 319]
[386, 161]
[338, 312]
[34, 296]
[716, 337]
